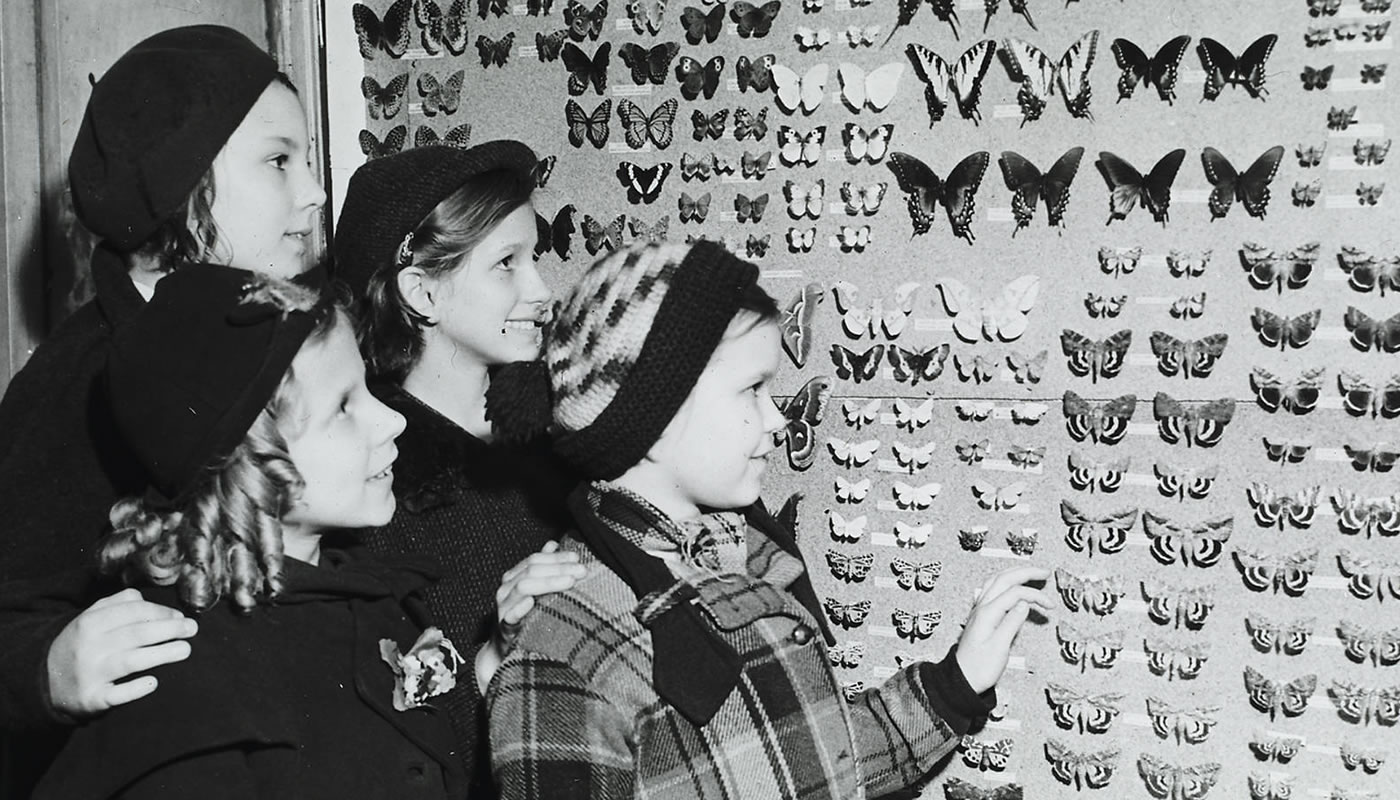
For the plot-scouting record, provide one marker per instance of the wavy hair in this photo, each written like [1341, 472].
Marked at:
[226, 541]
[390, 331]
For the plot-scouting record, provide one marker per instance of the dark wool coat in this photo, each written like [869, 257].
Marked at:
[476, 509]
[291, 700]
[575, 711]
[62, 464]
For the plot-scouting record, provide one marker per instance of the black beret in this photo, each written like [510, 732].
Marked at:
[190, 373]
[154, 123]
[387, 198]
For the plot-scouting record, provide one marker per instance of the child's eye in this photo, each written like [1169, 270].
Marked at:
[280, 161]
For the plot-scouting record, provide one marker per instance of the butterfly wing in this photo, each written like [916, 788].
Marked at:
[1072, 74]
[960, 190]
[1024, 180]
[922, 187]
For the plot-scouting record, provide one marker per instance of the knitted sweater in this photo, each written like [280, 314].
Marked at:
[476, 509]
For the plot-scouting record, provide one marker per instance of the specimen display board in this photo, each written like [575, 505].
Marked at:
[1106, 286]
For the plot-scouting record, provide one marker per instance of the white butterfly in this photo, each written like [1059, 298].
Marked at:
[863, 199]
[801, 240]
[852, 454]
[913, 457]
[851, 491]
[999, 317]
[795, 147]
[858, 35]
[808, 39]
[804, 202]
[916, 497]
[800, 91]
[906, 535]
[977, 410]
[866, 145]
[844, 530]
[857, 320]
[910, 416]
[853, 237]
[959, 83]
[858, 414]
[1028, 413]
[875, 89]
[998, 498]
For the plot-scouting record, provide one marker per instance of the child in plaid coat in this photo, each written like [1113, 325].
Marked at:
[692, 661]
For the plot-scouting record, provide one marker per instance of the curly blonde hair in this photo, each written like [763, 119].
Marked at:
[226, 541]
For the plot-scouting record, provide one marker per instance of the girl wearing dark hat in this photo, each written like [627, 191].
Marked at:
[243, 398]
[193, 150]
[438, 244]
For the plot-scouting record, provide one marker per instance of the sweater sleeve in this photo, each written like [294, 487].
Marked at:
[552, 736]
[905, 726]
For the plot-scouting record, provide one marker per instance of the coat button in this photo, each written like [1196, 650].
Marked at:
[801, 634]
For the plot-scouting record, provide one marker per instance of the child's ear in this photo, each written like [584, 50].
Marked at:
[417, 290]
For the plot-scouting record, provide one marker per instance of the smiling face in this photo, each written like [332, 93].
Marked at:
[267, 200]
[712, 454]
[490, 309]
[340, 439]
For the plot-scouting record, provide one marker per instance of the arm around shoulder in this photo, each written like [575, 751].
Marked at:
[555, 736]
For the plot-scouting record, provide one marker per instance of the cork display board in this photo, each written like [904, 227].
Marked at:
[1107, 286]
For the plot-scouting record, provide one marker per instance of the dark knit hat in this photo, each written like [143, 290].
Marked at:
[191, 372]
[387, 198]
[154, 123]
[629, 343]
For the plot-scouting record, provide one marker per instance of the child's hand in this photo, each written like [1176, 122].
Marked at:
[998, 611]
[541, 573]
[115, 638]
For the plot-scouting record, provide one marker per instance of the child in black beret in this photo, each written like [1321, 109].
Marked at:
[193, 150]
[438, 245]
[243, 397]
[692, 660]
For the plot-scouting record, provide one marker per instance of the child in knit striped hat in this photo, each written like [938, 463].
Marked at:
[692, 661]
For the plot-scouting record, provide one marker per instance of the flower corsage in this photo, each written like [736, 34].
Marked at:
[427, 670]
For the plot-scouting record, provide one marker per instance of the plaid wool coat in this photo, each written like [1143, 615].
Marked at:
[574, 712]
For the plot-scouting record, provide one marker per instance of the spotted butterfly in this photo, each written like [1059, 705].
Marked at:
[391, 32]
[384, 101]
[850, 569]
[848, 656]
[495, 51]
[846, 615]
[986, 755]
[1224, 69]
[1250, 187]
[910, 575]
[1128, 187]
[924, 189]
[1316, 78]
[458, 136]
[443, 29]
[1029, 186]
[698, 79]
[915, 625]
[748, 125]
[1160, 70]
[393, 142]
[549, 45]
[597, 236]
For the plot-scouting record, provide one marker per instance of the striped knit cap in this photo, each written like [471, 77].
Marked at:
[629, 343]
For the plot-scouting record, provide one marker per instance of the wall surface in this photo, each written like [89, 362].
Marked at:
[1215, 601]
